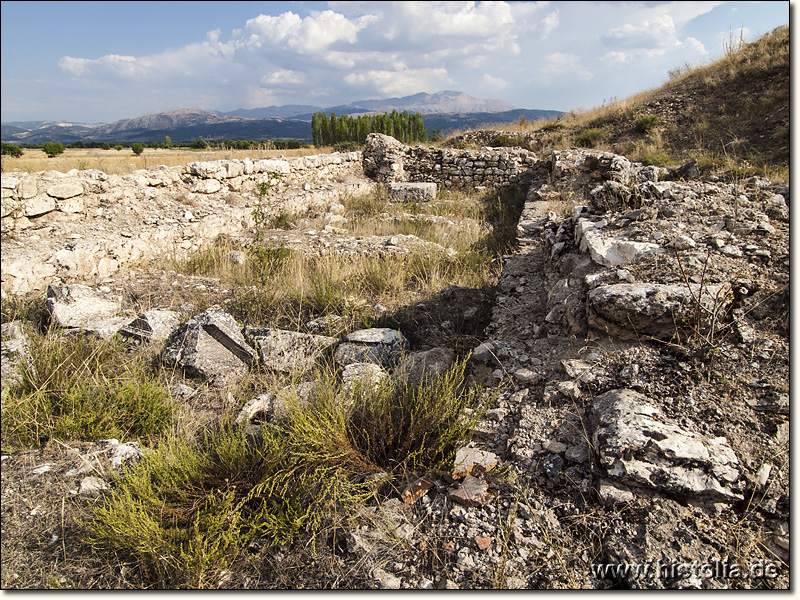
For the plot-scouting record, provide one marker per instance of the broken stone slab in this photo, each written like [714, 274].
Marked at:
[92, 486]
[259, 408]
[288, 351]
[416, 489]
[386, 580]
[473, 491]
[411, 192]
[38, 206]
[611, 251]
[688, 171]
[329, 324]
[579, 369]
[637, 445]
[210, 346]
[473, 461]
[381, 346]
[64, 191]
[154, 325]
[630, 310]
[80, 306]
[276, 406]
[423, 367]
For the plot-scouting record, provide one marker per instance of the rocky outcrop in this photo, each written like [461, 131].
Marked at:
[411, 192]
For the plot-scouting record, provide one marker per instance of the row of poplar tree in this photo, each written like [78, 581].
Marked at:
[329, 130]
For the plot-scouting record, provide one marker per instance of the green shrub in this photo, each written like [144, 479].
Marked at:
[646, 124]
[589, 137]
[658, 159]
[505, 140]
[11, 150]
[78, 388]
[137, 148]
[52, 149]
[552, 126]
[187, 511]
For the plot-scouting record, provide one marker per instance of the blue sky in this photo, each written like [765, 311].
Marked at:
[102, 61]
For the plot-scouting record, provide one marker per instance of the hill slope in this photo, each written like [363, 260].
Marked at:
[731, 113]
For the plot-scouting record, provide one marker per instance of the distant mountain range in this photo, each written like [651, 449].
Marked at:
[446, 111]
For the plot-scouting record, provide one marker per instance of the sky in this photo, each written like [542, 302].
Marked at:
[97, 62]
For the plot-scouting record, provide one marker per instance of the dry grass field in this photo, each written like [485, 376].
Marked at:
[122, 162]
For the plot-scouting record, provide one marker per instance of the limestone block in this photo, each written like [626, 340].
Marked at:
[9, 206]
[412, 192]
[80, 306]
[421, 367]
[154, 325]
[637, 445]
[63, 191]
[38, 205]
[381, 346]
[73, 205]
[288, 351]
[267, 165]
[210, 346]
[629, 310]
[8, 183]
[27, 188]
[368, 376]
[472, 461]
[205, 186]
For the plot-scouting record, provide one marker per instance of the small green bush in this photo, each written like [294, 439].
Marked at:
[506, 140]
[646, 124]
[137, 148]
[552, 126]
[589, 137]
[658, 159]
[77, 388]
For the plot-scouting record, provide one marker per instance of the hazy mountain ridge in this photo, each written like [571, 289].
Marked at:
[446, 111]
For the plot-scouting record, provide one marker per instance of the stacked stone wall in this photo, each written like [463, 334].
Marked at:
[387, 160]
[28, 197]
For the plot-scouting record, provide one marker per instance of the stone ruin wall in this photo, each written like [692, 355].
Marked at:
[387, 160]
[84, 226]
[29, 196]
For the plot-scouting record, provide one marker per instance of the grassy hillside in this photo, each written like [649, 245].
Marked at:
[732, 115]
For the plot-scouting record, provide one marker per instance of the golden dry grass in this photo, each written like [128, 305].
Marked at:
[123, 162]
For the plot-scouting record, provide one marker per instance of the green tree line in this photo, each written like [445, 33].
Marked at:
[329, 130]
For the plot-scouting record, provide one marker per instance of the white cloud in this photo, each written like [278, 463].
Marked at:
[283, 77]
[615, 56]
[659, 33]
[695, 45]
[256, 97]
[310, 35]
[495, 82]
[563, 66]
[548, 24]
[400, 83]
